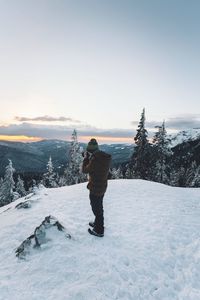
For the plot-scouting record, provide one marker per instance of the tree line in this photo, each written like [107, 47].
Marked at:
[155, 160]
[11, 190]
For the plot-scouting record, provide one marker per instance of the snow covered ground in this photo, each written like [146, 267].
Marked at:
[151, 247]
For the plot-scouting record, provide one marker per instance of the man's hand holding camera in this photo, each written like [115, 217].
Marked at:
[86, 155]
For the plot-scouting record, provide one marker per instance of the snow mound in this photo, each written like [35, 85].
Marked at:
[42, 234]
[150, 250]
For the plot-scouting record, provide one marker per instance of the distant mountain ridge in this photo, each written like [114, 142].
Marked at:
[33, 157]
[184, 136]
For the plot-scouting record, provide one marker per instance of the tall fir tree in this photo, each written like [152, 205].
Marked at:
[117, 173]
[173, 178]
[161, 152]
[190, 173]
[1, 182]
[181, 175]
[62, 180]
[20, 189]
[34, 187]
[73, 173]
[7, 189]
[139, 159]
[49, 178]
[129, 174]
[196, 179]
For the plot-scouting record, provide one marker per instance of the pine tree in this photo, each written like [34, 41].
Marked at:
[7, 194]
[193, 176]
[161, 152]
[1, 182]
[174, 180]
[20, 187]
[181, 175]
[117, 173]
[190, 173]
[33, 188]
[196, 180]
[73, 173]
[141, 151]
[49, 178]
[129, 174]
[57, 179]
[34, 184]
[62, 180]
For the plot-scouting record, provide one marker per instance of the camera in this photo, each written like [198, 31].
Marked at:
[86, 154]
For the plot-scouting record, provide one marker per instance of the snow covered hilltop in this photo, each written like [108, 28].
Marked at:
[151, 247]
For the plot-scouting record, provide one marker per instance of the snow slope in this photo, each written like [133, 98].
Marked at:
[151, 247]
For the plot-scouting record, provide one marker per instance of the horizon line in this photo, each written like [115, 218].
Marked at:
[81, 139]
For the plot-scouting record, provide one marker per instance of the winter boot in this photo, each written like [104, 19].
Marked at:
[92, 224]
[93, 232]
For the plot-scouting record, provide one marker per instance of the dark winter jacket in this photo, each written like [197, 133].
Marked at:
[98, 168]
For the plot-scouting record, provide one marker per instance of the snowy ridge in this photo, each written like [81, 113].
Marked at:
[151, 247]
[184, 136]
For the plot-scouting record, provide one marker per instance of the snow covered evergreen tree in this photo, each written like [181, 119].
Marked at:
[129, 174]
[161, 151]
[190, 174]
[49, 178]
[181, 175]
[141, 152]
[73, 173]
[7, 189]
[33, 187]
[61, 180]
[117, 173]
[193, 175]
[173, 178]
[20, 187]
[1, 182]
[196, 180]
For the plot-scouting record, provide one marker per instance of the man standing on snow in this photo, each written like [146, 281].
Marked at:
[97, 164]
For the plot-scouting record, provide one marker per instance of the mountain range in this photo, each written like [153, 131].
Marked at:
[32, 157]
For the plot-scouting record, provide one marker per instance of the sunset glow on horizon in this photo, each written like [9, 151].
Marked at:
[19, 138]
[83, 139]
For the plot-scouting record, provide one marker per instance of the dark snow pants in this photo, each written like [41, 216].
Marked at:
[96, 203]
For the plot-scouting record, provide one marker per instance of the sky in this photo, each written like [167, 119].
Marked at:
[94, 65]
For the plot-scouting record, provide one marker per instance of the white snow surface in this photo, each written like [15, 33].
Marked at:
[151, 247]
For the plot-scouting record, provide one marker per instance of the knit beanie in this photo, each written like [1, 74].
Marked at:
[92, 146]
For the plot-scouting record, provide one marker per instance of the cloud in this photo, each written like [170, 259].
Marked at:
[46, 119]
[49, 131]
[182, 122]
[62, 132]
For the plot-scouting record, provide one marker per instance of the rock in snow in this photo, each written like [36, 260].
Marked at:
[25, 204]
[150, 250]
[40, 236]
